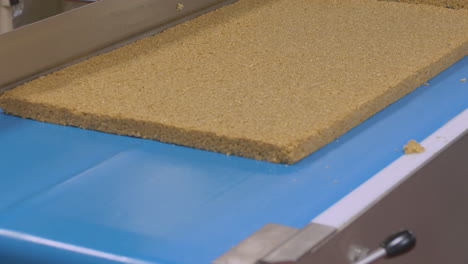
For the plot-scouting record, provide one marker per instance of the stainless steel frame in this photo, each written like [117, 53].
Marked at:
[6, 16]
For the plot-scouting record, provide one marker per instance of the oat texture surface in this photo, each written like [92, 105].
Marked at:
[267, 79]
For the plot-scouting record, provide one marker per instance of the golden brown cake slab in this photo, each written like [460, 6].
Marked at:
[267, 79]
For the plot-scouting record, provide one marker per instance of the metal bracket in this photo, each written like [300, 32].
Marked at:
[275, 244]
[6, 16]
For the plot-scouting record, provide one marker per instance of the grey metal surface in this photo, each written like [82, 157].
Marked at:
[432, 203]
[70, 37]
[305, 241]
[373, 257]
[257, 245]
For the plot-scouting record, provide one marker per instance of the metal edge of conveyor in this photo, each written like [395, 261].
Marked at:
[279, 244]
[437, 189]
[68, 38]
[395, 174]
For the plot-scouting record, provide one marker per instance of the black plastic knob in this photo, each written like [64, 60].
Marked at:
[399, 243]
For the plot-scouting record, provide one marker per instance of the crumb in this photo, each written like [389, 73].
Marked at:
[396, 149]
[413, 147]
[427, 84]
[463, 80]
[294, 180]
[335, 181]
[327, 167]
[180, 7]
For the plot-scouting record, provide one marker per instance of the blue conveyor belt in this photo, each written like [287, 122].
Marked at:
[69, 195]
